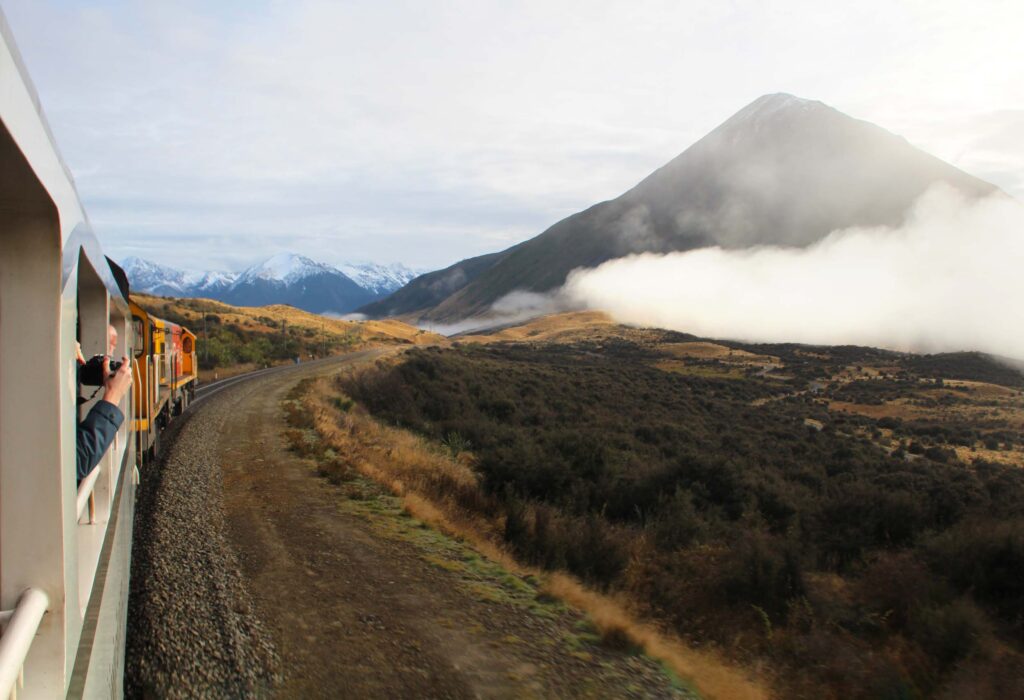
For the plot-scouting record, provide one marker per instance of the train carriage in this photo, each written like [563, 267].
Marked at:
[65, 545]
[165, 374]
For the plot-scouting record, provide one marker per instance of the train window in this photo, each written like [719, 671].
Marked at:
[186, 345]
[138, 342]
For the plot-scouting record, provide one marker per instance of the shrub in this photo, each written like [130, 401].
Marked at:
[949, 632]
[764, 572]
[986, 560]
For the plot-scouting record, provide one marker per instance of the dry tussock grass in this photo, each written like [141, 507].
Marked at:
[1011, 411]
[574, 325]
[985, 389]
[611, 616]
[726, 371]
[444, 491]
[891, 409]
[713, 351]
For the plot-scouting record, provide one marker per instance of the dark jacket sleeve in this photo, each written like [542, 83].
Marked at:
[95, 434]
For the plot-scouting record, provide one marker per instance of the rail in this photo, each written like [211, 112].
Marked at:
[21, 625]
[207, 390]
[86, 497]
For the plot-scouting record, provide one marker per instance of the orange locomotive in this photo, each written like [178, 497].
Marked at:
[165, 373]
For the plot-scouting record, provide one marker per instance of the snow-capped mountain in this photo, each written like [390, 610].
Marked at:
[286, 278]
[285, 268]
[293, 279]
[381, 279]
[154, 278]
[207, 283]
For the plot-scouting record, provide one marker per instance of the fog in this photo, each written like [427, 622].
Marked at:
[950, 278]
[511, 309]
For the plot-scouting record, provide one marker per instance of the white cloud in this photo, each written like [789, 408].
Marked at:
[949, 279]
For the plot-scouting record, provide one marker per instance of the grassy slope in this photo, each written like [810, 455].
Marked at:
[238, 338]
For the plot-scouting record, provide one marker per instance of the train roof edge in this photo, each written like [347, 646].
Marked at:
[22, 116]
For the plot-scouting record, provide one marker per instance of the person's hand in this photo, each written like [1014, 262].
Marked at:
[116, 384]
[78, 353]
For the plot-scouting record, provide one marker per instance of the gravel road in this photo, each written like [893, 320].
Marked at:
[192, 630]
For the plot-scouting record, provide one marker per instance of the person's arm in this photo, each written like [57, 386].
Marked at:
[95, 434]
[97, 431]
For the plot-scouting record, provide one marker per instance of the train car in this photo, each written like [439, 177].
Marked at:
[189, 380]
[179, 374]
[165, 375]
[65, 543]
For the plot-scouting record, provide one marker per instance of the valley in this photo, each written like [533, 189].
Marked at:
[763, 519]
[848, 517]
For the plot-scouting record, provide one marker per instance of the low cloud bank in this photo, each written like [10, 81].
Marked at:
[513, 308]
[345, 317]
[951, 278]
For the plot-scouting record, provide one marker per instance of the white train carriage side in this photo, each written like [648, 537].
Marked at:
[64, 548]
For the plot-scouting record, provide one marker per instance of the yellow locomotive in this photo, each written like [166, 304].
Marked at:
[165, 374]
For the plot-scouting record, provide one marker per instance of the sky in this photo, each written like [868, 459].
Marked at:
[210, 135]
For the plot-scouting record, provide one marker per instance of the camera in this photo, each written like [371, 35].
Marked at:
[91, 373]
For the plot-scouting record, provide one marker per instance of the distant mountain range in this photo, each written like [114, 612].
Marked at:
[286, 278]
[782, 171]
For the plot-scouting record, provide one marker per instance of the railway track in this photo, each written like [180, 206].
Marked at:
[205, 391]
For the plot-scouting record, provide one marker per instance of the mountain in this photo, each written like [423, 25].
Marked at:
[293, 279]
[379, 279]
[210, 284]
[431, 289]
[154, 278]
[286, 278]
[781, 171]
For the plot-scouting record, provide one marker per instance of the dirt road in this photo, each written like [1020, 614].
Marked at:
[359, 600]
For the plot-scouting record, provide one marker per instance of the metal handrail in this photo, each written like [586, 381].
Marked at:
[22, 623]
[152, 385]
[136, 377]
[85, 496]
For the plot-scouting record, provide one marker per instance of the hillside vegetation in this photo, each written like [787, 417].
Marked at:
[237, 338]
[852, 517]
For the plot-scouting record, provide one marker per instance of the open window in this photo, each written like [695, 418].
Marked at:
[138, 336]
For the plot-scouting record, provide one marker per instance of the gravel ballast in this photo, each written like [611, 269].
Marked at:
[192, 631]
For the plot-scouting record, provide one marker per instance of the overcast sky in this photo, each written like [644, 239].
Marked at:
[211, 134]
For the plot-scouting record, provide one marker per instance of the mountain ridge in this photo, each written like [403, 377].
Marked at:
[285, 278]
